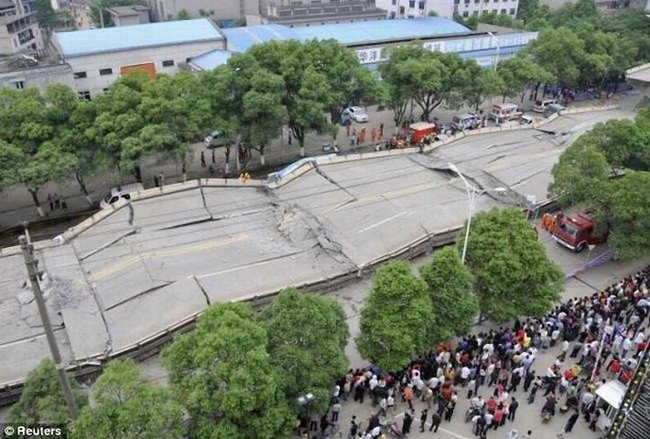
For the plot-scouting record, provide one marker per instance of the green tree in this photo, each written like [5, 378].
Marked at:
[306, 87]
[347, 80]
[45, 14]
[31, 121]
[450, 285]
[627, 213]
[513, 275]
[222, 375]
[530, 11]
[396, 318]
[183, 14]
[12, 158]
[42, 400]
[307, 338]
[518, 72]
[125, 406]
[483, 84]
[580, 175]
[561, 53]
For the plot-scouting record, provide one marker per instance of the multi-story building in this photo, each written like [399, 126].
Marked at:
[223, 10]
[447, 8]
[310, 12]
[19, 30]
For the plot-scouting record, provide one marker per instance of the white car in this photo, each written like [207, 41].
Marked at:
[356, 113]
[215, 139]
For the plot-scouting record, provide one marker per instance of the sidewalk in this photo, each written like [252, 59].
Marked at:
[17, 205]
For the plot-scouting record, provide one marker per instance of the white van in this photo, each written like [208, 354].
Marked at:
[464, 122]
[541, 104]
[123, 191]
[505, 112]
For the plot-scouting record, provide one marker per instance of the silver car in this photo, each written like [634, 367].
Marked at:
[356, 114]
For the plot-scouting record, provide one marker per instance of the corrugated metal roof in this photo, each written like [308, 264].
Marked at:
[240, 39]
[210, 60]
[365, 32]
[113, 39]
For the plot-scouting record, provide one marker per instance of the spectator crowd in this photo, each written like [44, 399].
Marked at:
[599, 337]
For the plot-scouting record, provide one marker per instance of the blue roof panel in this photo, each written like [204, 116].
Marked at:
[240, 39]
[112, 39]
[211, 60]
[364, 32]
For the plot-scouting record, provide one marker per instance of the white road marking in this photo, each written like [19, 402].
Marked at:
[365, 229]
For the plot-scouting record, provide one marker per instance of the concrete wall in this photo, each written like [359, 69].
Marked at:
[91, 64]
[40, 77]
[223, 9]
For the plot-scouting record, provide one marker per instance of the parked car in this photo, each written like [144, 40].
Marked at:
[526, 119]
[541, 104]
[123, 191]
[356, 113]
[420, 131]
[462, 122]
[346, 119]
[216, 139]
[552, 109]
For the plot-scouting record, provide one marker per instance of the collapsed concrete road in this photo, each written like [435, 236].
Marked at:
[124, 280]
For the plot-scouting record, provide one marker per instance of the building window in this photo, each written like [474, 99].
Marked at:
[411, 3]
[79, 75]
[503, 11]
[456, 2]
[187, 60]
[495, 11]
[477, 1]
[465, 14]
[168, 63]
[394, 2]
[475, 13]
[392, 15]
[401, 10]
[105, 90]
[512, 11]
[84, 95]
[421, 6]
[18, 85]
[104, 72]
[467, 2]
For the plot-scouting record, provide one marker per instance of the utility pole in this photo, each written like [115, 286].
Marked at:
[32, 270]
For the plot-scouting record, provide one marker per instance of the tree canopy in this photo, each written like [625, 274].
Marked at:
[396, 318]
[606, 171]
[513, 275]
[450, 285]
[42, 400]
[307, 337]
[222, 374]
[125, 406]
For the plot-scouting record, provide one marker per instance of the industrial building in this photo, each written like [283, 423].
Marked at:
[92, 59]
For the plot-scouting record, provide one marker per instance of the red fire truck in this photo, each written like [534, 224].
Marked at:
[577, 231]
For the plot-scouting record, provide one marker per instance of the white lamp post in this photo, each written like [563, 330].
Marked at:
[496, 59]
[472, 193]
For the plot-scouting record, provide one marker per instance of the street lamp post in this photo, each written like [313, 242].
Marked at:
[472, 194]
[496, 59]
[305, 402]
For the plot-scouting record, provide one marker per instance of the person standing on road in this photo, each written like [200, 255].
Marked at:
[203, 163]
[435, 422]
[572, 421]
[406, 425]
[354, 428]
[512, 409]
[408, 395]
[423, 419]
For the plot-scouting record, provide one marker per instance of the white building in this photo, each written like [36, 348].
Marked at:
[225, 10]
[19, 30]
[98, 57]
[447, 8]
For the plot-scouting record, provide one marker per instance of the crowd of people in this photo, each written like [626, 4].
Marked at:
[600, 337]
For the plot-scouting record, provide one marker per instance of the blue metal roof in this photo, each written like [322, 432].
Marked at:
[240, 39]
[211, 60]
[112, 39]
[364, 32]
